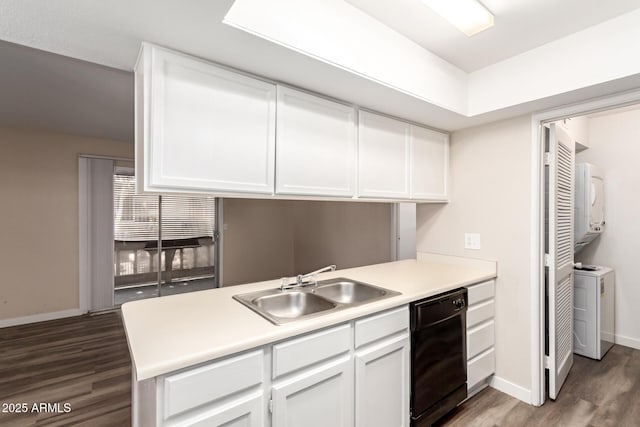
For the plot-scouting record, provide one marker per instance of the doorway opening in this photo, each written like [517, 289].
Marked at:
[548, 343]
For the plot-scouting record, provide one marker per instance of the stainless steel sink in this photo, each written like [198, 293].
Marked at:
[292, 304]
[282, 306]
[347, 291]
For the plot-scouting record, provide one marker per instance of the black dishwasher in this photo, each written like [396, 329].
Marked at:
[438, 356]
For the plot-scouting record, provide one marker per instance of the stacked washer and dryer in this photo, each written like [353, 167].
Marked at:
[593, 299]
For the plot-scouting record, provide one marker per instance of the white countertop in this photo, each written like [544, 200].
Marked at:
[174, 332]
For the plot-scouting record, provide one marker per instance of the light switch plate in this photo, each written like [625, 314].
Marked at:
[472, 240]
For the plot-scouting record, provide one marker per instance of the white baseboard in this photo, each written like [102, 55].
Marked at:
[511, 389]
[628, 341]
[41, 317]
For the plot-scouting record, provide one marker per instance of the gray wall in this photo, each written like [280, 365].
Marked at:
[269, 239]
[39, 227]
[491, 195]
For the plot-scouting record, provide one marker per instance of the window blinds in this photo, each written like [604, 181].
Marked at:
[185, 217]
[136, 215]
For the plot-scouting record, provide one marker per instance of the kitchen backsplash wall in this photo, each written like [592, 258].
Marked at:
[257, 240]
[347, 234]
[268, 239]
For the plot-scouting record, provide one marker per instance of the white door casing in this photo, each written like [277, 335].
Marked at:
[560, 284]
[538, 199]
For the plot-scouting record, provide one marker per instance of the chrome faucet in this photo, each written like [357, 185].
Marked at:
[304, 279]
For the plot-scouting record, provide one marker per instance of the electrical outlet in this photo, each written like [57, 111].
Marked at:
[472, 240]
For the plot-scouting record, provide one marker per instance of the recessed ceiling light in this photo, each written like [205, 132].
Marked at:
[469, 16]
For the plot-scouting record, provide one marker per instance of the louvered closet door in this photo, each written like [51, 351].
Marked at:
[560, 284]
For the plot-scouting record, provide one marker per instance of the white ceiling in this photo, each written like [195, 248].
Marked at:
[50, 91]
[520, 26]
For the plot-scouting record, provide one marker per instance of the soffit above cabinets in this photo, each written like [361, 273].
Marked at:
[406, 76]
[519, 26]
[338, 33]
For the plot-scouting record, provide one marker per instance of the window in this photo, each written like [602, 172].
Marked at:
[184, 227]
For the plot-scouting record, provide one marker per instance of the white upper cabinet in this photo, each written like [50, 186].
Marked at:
[204, 128]
[398, 160]
[201, 127]
[384, 148]
[316, 145]
[429, 164]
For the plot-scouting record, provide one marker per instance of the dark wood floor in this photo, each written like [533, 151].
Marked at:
[80, 361]
[598, 394]
[85, 362]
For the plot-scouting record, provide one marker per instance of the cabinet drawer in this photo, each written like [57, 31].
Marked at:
[381, 325]
[480, 338]
[480, 368]
[208, 383]
[481, 292]
[479, 313]
[298, 353]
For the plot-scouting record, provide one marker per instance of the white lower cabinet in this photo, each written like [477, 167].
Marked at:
[353, 374]
[481, 359]
[228, 392]
[245, 411]
[318, 397]
[382, 384]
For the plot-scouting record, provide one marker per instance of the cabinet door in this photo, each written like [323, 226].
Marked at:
[383, 157]
[429, 164]
[316, 145]
[318, 397]
[245, 411]
[382, 384]
[210, 129]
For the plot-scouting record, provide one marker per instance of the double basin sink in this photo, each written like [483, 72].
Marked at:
[302, 302]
